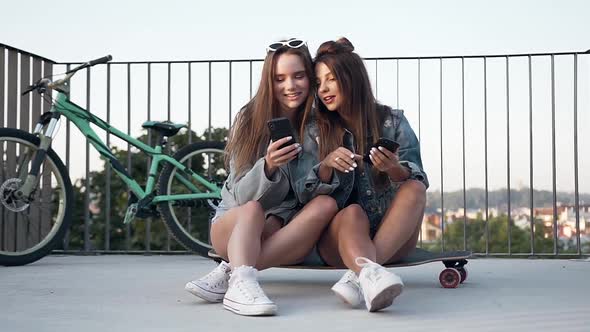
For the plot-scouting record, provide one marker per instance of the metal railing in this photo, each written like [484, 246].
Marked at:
[468, 86]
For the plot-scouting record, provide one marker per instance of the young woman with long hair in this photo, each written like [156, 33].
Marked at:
[382, 199]
[259, 222]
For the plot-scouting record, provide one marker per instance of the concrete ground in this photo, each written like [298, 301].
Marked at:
[146, 293]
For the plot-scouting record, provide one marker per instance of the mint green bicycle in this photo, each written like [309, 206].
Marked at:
[36, 195]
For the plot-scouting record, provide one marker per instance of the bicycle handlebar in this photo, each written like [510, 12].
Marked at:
[43, 84]
[104, 59]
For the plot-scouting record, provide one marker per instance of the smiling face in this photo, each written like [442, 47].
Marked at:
[290, 82]
[328, 87]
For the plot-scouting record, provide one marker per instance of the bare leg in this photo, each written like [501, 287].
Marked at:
[347, 238]
[398, 233]
[280, 246]
[236, 234]
[290, 244]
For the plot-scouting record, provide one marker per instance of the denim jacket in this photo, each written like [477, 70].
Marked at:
[307, 185]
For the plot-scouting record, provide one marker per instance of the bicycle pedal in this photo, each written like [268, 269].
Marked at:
[130, 214]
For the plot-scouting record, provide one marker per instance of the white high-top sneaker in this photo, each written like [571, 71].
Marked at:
[348, 289]
[213, 286]
[380, 287]
[244, 295]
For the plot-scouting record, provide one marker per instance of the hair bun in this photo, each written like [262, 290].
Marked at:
[345, 44]
[342, 45]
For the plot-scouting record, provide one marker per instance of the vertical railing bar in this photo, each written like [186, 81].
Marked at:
[129, 166]
[442, 186]
[147, 237]
[419, 103]
[190, 136]
[209, 129]
[36, 65]
[168, 239]
[419, 131]
[25, 111]
[463, 143]
[87, 176]
[397, 82]
[3, 230]
[148, 227]
[190, 105]
[45, 107]
[66, 240]
[250, 80]
[553, 159]
[508, 154]
[25, 101]
[230, 92]
[485, 98]
[107, 228]
[209, 124]
[576, 184]
[376, 84]
[531, 193]
[169, 92]
[2, 98]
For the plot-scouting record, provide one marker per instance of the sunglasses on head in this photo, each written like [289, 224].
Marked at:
[292, 43]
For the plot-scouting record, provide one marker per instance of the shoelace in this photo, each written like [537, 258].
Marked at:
[370, 267]
[351, 277]
[251, 289]
[215, 277]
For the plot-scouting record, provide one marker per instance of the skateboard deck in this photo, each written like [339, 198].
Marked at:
[454, 273]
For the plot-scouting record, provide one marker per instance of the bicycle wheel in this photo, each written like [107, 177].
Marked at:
[189, 220]
[29, 230]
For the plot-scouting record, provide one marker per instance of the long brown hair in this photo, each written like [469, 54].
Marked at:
[249, 134]
[358, 102]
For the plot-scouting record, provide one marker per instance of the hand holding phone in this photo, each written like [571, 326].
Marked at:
[288, 149]
[280, 128]
[387, 143]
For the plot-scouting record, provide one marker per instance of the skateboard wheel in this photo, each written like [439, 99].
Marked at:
[450, 278]
[463, 272]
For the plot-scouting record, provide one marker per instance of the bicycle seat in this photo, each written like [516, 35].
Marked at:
[165, 128]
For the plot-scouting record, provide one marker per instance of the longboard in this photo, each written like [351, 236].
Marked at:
[454, 261]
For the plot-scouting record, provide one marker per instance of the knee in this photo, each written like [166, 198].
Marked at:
[354, 212]
[251, 212]
[413, 190]
[352, 217]
[325, 204]
[252, 208]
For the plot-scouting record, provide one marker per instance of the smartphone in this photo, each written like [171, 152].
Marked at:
[387, 143]
[279, 128]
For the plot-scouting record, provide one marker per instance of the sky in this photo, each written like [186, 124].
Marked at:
[200, 30]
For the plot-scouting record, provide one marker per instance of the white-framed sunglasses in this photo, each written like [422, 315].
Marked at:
[292, 43]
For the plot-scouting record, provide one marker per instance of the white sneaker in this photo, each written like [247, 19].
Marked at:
[380, 287]
[213, 286]
[348, 289]
[244, 295]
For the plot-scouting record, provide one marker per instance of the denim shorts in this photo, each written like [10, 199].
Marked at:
[313, 258]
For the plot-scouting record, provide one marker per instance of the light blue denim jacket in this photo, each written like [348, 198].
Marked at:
[307, 185]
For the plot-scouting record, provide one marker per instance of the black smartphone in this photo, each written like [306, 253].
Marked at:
[387, 143]
[279, 128]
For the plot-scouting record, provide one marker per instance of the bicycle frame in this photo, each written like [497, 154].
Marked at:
[82, 119]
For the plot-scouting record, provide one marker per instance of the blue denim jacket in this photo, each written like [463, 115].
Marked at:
[375, 201]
